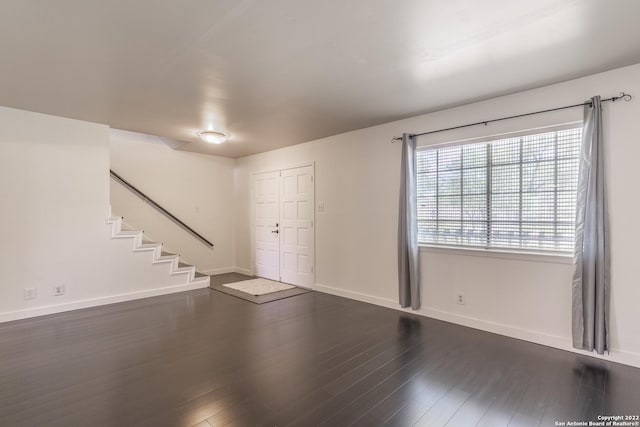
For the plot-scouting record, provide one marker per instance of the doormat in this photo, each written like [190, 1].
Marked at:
[259, 290]
[259, 286]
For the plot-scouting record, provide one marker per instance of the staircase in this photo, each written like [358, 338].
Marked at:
[119, 230]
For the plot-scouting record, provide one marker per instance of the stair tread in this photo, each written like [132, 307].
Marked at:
[127, 233]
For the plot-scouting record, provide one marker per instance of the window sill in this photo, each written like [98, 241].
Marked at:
[494, 253]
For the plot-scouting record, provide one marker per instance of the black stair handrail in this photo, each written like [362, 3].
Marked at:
[149, 200]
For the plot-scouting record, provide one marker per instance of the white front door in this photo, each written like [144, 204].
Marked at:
[283, 225]
[296, 226]
[266, 207]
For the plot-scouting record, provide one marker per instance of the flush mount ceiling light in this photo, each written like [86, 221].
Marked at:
[213, 136]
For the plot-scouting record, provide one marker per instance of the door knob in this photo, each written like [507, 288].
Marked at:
[275, 231]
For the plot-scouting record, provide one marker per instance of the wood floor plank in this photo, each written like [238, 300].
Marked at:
[350, 389]
[427, 382]
[421, 390]
[444, 409]
[408, 415]
[503, 408]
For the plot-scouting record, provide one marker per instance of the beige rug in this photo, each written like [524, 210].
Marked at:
[259, 286]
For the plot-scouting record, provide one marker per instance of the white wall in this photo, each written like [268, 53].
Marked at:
[357, 175]
[54, 188]
[196, 188]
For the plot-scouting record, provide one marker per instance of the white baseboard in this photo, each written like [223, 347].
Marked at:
[227, 270]
[94, 302]
[357, 296]
[562, 343]
[245, 271]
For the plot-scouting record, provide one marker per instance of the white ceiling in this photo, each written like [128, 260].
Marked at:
[281, 72]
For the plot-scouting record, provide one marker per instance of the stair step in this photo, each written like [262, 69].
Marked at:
[165, 256]
[127, 233]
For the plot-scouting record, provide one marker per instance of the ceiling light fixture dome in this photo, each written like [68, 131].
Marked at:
[213, 136]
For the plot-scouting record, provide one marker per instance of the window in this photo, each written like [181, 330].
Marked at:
[517, 193]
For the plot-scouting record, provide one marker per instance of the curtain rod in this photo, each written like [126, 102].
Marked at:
[623, 95]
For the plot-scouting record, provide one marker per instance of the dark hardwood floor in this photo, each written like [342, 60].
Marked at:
[209, 359]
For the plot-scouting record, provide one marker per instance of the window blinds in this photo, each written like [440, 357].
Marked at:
[516, 193]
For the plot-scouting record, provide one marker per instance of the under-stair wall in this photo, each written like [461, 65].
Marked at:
[196, 188]
[54, 230]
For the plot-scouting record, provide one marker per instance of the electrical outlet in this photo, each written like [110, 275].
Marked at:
[460, 298]
[58, 290]
[30, 293]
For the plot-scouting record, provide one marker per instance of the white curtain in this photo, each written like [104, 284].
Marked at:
[408, 262]
[591, 278]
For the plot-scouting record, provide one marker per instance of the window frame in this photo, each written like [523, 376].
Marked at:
[542, 255]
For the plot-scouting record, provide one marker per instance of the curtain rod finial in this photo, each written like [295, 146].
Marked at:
[624, 96]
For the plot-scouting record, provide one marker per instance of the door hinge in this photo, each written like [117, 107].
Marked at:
[311, 178]
[312, 268]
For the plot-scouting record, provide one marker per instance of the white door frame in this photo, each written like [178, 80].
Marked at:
[252, 212]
